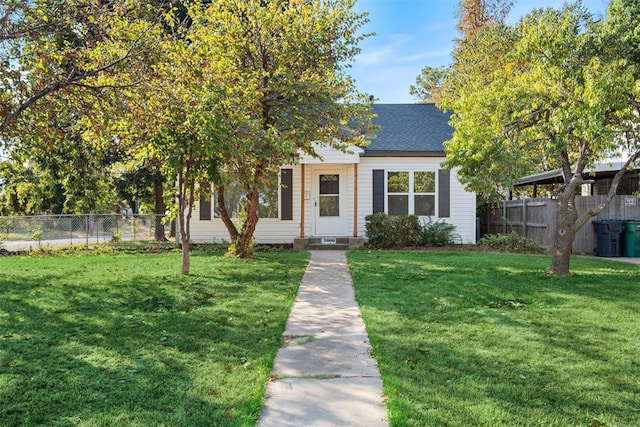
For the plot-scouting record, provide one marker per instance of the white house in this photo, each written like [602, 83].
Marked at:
[398, 173]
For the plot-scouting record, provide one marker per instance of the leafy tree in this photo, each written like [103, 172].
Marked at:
[188, 161]
[547, 93]
[286, 86]
[474, 15]
[235, 93]
[51, 46]
[621, 33]
[166, 122]
[63, 61]
[428, 84]
[62, 172]
[27, 189]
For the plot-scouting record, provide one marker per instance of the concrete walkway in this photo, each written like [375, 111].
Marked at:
[324, 373]
[632, 260]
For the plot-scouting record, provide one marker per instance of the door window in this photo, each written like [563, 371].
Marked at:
[329, 195]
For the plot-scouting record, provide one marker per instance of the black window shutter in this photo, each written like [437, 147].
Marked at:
[378, 190]
[286, 194]
[444, 194]
[205, 203]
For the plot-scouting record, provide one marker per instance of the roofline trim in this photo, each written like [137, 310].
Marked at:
[400, 153]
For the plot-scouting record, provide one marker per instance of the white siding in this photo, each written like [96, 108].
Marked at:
[328, 155]
[463, 203]
[268, 230]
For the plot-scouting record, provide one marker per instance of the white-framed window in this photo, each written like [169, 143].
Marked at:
[411, 192]
[268, 203]
[269, 199]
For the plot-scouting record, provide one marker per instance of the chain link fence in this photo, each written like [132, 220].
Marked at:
[27, 232]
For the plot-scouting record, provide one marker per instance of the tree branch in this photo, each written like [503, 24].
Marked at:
[612, 192]
[71, 79]
[99, 87]
[565, 166]
[581, 158]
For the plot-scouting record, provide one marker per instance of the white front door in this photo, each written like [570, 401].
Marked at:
[330, 203]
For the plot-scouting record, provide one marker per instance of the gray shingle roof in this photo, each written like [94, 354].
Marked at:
[409, 129]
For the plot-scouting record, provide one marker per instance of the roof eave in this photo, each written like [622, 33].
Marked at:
[400, 153]
[555, 176]
[548, 177]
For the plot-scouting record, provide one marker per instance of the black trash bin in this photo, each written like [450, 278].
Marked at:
[609, 237]
[631, 240]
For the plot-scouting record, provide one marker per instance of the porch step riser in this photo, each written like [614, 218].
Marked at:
[315, 243]
[328, 247]
[318, 241]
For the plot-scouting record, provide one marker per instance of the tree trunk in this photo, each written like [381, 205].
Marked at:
[186, 258]
[159, 209]
[240, 235]
[224, 214]
[561, 257]
[186, 193]
[172, 229]
[244, 247]
[566, 218]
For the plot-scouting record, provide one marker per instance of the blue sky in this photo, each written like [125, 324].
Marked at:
[413, 33]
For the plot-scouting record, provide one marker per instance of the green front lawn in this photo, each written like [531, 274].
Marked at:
[125, 340]
[476, 339]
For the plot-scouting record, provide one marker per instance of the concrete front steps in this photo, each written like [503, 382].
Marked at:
[327, 243]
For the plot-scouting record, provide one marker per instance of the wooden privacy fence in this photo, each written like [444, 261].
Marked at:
[536, 218]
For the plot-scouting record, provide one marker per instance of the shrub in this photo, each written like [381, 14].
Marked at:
[511, 242]
[410, 230]
[378, 229]
[438, 233]
[386, 232]
[36, 233]
[116, 236]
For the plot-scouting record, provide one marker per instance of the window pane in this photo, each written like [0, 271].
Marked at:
[398, 182]
[329, 184]
[329, 205]
[424, 182]
[268, 199]
[399, 205]
[232, 198]
[268, 203]
[424, 205]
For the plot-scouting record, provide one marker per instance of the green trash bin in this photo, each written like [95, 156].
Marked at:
[631, 239]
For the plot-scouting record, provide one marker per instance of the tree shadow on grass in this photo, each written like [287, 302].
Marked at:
[149, 350]
[465, 282]
[437, 384]
[456, 372]
[464, 342]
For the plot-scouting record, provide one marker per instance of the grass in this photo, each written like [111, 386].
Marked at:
[492, 340]
[125, 340]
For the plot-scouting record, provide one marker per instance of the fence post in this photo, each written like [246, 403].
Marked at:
[551, 221]
[504, 217]
[86, 230]
[525, 220]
